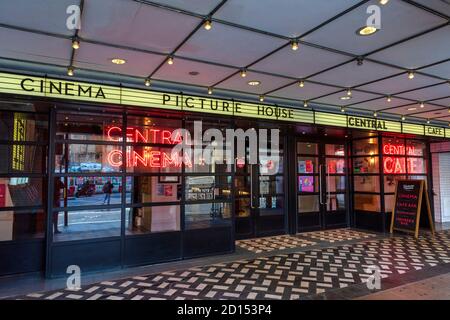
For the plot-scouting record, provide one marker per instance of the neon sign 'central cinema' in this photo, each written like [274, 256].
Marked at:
[145, 156]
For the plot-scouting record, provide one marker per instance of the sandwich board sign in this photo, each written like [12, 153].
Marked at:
[411, 202]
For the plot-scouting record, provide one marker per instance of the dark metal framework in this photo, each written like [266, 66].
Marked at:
[353, 58]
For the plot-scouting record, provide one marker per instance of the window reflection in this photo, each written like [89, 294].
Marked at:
[86, 224]
[152, 219]
[87, 191]
[206, 215]
[208, 187]
[156, 189]
[21, 191]
[16, 224]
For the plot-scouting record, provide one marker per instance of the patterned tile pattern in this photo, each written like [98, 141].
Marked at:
[282, 276]
[267, 244]
[336, 235]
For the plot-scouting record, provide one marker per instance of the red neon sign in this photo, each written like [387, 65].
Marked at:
[397, 165]
[398, 149]
[143, 135]
[145, 157]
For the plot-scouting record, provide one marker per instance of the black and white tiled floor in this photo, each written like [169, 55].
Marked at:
[337, 235]
[301, 240]
[295, 275]
[267, 244]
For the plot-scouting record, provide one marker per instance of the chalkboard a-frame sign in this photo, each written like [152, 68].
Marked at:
[411, 199]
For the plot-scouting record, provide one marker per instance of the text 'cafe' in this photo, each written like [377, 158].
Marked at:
[62, 141]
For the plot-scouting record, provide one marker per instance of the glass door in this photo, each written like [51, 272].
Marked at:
[259, 199]
[321, 185]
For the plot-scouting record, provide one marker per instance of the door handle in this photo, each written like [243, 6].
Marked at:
[253, 202]
[320, 185]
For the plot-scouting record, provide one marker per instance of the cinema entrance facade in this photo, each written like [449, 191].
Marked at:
[87, 177]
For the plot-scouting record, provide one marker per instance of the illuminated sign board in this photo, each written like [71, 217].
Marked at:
[100, 93]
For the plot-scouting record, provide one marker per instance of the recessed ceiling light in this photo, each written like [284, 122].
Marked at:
[345, 98]
[254, 83]
[118, 61]
[383, 2]
[412, 109]
[366, 31]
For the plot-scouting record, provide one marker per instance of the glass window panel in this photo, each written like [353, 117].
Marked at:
[242, 207]
[308, 184]
[389, 203]
[208, 188]
[270, 165]
[417, 165]
[365, 164]
[336, 183]
[367, 183]
[89, 127]
[336, 202]
[335, 150]
[21, 191]
[152, 219]
[147, 159]
[367, 202]
[307, 148]
[308, 203]
[206, 215]
[415, 148]
[23, 159]
[307, 164]
[336, 165]
[86, 224]
[390, 182]
[155, 189]
[418, 177]
[87, 191]
[364, 147]
[87, 158]
[242, 185]
[19, 127]
[210, 161]
[271, 185]
[22, 224]
[271, 202]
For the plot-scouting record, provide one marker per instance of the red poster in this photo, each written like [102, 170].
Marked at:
[2, 195]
